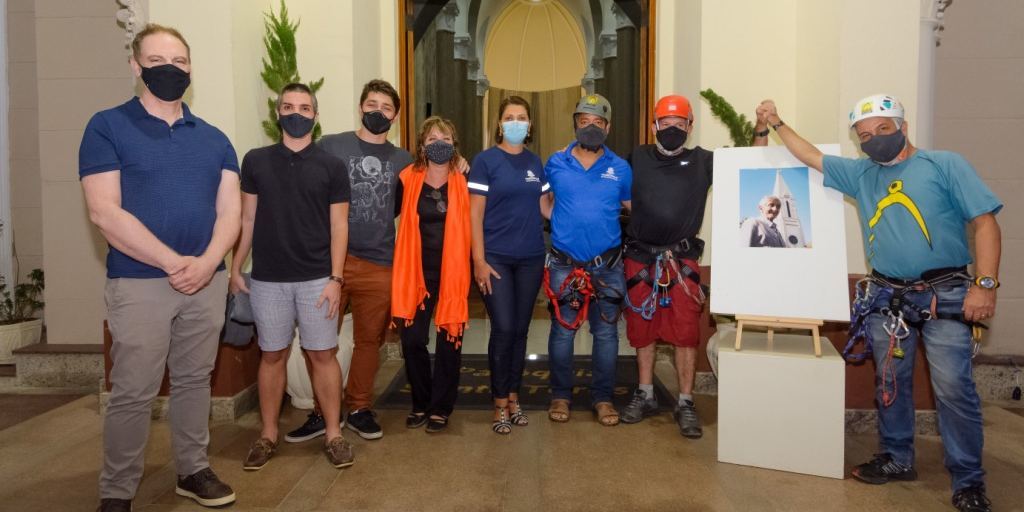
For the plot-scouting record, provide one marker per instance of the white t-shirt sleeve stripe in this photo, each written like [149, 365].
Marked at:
[478, 186]
[545, 187]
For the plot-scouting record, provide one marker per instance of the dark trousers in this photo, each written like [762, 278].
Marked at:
[510, 309]
[432, 393]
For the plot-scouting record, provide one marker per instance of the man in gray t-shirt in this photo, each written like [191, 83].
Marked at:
[373, 165]
[373, 173]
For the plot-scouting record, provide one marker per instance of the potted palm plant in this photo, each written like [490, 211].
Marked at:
[18, 325]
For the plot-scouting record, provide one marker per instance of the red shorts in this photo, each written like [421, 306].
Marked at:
[678, 324]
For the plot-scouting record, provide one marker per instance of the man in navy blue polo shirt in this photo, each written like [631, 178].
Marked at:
[162, 187]
[590, 185]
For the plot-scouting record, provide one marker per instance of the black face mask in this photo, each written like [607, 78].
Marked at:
[296, 125]
[376, 122]
[591, 137]
[439, 152]
[167, 81]
[884, 148]
[671, 139]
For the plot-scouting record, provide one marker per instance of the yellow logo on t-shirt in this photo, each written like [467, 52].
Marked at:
[896, 196]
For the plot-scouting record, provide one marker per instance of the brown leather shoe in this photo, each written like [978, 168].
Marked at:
[115, 505]
[339, 453]
[259, 454]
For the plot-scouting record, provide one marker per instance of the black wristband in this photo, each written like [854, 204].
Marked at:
[776, 126]
[762, 133]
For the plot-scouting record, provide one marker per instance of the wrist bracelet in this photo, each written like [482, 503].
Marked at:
[763, 133]
[776, 126]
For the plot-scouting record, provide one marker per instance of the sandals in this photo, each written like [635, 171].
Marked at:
[502, 425]
[518, 417]
[606, 414]
[558, 411]
[435, 425]
[415, 420]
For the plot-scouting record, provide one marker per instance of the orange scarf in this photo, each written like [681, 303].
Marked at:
[408, 289]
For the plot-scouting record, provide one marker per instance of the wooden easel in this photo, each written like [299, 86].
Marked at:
[773, 323]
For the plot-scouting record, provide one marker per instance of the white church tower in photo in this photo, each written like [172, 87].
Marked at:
[788, 220]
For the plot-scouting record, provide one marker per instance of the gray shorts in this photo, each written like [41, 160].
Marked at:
[278, 306]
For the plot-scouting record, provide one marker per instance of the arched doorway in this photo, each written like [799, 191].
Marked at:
[459, 58]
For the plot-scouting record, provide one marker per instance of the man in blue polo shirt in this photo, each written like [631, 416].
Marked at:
[590, 184]
[914, 207]
[162, 187]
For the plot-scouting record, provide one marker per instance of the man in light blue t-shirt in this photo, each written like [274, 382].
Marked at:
[914, 207]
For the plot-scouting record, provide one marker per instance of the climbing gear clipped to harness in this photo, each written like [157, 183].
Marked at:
[664, 265]
[886, 296]
[580, 290]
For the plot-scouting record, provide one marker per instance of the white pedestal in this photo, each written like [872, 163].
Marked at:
[779, 406]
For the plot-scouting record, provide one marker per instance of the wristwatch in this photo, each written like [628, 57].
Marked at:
[763, 133]
[339, 280]
[776, 126]
[987, 282]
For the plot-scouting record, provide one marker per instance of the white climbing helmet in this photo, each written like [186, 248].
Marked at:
[877, 105]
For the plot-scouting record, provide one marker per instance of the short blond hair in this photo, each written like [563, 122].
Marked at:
[154, 28]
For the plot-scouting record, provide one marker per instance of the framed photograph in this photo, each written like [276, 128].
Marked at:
[774, 208]
[765, 200]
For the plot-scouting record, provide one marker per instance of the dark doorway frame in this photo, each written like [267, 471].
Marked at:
[642, 12]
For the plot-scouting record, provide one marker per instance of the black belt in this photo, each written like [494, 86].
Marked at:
[608, 258]
[926, 277]
[644, 276]
[689, 248]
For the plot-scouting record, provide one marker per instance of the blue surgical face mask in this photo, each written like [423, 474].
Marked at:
[515, 131]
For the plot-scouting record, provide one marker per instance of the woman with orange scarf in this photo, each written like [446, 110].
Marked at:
[431, 272]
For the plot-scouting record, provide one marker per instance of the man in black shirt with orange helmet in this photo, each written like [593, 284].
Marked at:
[664, 296]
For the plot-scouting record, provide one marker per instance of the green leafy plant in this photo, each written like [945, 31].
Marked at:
[741, 131]
[280, 67]
[25, 301]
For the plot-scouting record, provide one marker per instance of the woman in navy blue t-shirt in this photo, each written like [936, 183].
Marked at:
[505, 185]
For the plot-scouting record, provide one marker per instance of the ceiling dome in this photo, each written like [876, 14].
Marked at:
[535, 45]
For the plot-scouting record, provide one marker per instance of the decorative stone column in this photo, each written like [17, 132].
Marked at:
[131, 16]
[932, 13]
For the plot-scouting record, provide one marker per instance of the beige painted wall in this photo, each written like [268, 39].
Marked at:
[82, 67]
[26, 186]
[344, 41]
[980, 114]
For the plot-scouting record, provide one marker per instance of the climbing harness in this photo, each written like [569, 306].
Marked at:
[663, 262]
[886, 296]
[577, 289]
[665, 266]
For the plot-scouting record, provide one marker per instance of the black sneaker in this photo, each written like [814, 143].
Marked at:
[882, 469]
[639, 407]
[972, 499]
[364, 423]
[313, 428]
[686, 418]
[115, 505]
[205, 488]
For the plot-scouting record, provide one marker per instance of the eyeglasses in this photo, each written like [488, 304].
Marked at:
[442, 205]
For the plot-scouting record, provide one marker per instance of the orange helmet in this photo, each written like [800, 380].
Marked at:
[672, 105]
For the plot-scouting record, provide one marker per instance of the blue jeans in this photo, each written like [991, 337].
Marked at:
[510, 309]
[947, 344]
[610, 283]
